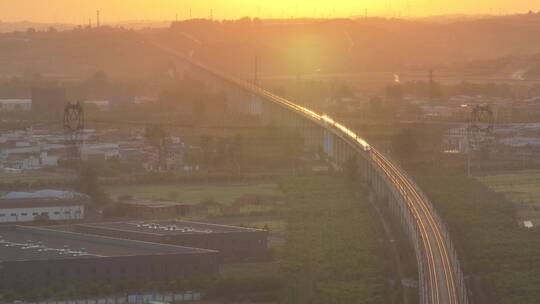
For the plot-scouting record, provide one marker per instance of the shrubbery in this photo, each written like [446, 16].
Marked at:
[331, 254]
[489, 240]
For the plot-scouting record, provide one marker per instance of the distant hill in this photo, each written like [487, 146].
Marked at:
[23, 26]
[486, 44]
[362, 44]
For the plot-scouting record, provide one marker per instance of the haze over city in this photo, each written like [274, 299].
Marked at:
[76, 11]
[269, 152]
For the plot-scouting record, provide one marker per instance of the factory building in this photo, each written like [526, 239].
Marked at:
[45, 205]
[235, 244]
[38, 258]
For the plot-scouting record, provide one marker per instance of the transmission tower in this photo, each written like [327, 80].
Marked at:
[73, 129]
[479, 131]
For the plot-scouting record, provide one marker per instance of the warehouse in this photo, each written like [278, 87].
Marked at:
[235, 244]
[38, 258]
[47, 205]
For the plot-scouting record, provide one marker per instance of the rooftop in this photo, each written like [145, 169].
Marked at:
[169, 227]
[42, 194]
[15, 101]
[42, 198]
[151, 204]
[19, 243]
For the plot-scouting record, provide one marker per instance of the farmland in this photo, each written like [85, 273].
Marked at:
[521, 188]
[225, 193]
[499, 257]
[34, 179]
[331, 254]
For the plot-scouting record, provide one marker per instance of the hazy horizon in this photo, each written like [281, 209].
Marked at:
[115, 11]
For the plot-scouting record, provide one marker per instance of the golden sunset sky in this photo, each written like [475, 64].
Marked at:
[78, 11]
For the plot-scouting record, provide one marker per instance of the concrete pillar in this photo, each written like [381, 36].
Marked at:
[328, 144]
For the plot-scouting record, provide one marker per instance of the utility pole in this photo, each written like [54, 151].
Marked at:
[430, 86]
[468, 158]
[256, 71]
[98, 24]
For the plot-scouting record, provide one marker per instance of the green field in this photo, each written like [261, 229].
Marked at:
[225, 193]
[331, 253]
[521, 188]
[249, 270]
[275, 224]
[32, 177]
[502, 256]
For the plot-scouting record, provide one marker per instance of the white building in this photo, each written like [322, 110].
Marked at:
[52, 205]
[30, 158]
[103, 151]
[15, 104]
[102, 105]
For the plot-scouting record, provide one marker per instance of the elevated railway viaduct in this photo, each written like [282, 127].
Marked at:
[441, 280]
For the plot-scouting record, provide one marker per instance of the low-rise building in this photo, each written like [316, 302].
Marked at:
[102, 105]
[46, 205]
[101, 151]
[38, 258]
[8, 105]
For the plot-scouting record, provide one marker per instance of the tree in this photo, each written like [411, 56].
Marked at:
[351, 169]
[155, 135]
[412, 111]
[89, 185]
[394, 94]
[97, 85]
[238, 151]
[291, 142]
[208, 149]
[405, 144]
[191, 158]
[378, 108]
[343, 91]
